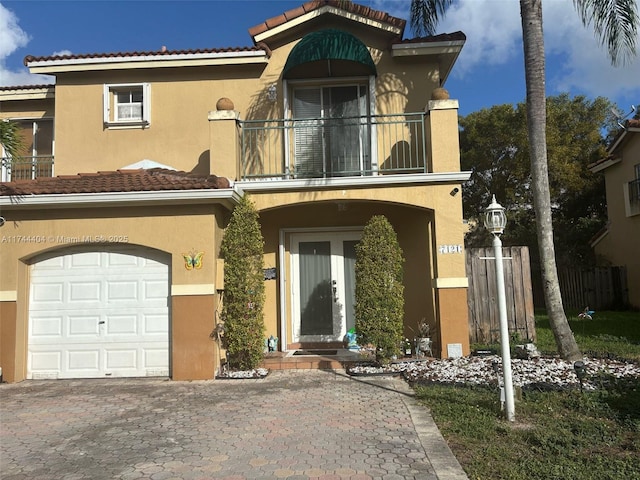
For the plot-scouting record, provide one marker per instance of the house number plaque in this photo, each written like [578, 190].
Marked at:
[444, 249]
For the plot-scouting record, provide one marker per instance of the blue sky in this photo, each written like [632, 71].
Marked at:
[489, 70]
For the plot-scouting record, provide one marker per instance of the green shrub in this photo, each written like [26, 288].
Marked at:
[242, 310]
[379, 308]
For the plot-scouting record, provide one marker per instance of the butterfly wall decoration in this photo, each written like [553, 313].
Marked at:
[193, 260]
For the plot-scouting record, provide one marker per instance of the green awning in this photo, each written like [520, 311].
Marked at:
[325, 47]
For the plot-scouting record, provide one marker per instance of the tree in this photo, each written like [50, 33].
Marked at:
[379, 306]
[10, 138]
[242, 310]
[615, 23]
[494, 147]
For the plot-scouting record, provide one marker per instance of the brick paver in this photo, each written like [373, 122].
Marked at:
[289, 425]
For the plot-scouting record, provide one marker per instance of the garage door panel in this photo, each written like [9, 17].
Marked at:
[83, 326]
[47, 326]
[45, 360]
[154, 290]
[84, 292]
[118, 359]
[85, 260]
[82, 360]
[154, 357]
[155, 324]
[122, 325]
[52, 292]
[120, 260]
[97, 314]
[122, 291]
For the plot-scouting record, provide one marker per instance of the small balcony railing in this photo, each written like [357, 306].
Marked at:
[634, 196]
[26, 168]
[333, 147]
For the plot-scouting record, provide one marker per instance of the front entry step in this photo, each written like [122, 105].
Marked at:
[311, 360]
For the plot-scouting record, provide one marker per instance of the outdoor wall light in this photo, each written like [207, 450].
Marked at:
[494, 218]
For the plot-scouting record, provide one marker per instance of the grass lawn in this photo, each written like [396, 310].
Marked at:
[557, 435]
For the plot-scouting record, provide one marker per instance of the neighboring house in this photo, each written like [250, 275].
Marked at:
[111, 267]
[618, 243]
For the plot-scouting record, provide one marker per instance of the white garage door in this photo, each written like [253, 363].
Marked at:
[95, 314]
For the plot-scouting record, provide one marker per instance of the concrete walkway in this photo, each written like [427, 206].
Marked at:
[298, 424]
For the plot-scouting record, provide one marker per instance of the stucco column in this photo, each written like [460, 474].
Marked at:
[450, 280]
[441, 128]
[224, 143]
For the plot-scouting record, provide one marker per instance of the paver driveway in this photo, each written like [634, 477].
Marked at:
[292, 424]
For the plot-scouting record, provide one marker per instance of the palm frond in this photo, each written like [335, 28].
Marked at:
[425, 15]
[615, 23]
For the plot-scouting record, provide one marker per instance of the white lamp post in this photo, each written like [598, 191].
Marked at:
[495, 220]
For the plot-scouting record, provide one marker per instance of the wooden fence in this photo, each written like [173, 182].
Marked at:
[599, 288]
[484, 321]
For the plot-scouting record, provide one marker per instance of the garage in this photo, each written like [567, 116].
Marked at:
[96, 313]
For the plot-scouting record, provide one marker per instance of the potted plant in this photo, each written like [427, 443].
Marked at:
[423, 341]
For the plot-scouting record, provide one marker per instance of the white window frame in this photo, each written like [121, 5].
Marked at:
[111, 105]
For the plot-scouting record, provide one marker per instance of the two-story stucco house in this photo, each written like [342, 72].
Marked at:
[110, 245]
[618, 243]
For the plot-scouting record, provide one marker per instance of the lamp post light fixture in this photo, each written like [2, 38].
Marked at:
[581, 372]
[495, 220]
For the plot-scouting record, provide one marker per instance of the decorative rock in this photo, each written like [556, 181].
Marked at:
[439, 94]
[526, 351]
[224, 104]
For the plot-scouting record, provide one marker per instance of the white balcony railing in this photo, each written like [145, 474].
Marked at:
[26, 168]
[333, 147]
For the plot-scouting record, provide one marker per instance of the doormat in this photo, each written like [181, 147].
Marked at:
[316, 352]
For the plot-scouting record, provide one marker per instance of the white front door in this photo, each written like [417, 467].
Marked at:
[323, 285]
[96, 314]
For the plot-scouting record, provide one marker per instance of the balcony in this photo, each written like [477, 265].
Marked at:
[26, 168]
[358, 146]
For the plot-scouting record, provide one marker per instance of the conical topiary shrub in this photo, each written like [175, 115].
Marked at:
[242, 310]
[379, 308]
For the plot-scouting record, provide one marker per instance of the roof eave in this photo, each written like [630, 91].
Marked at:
[228, 197]
[447, 53]
[619, 140]
[295, 22]
[21, 93]
[146, 61]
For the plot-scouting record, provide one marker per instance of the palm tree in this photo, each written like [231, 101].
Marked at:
[615, 24]
[10, 138]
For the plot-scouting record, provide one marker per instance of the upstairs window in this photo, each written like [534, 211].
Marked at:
[127, 105]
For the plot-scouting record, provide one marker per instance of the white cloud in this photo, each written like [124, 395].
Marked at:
[585, 65]
[493, 30]
[575, 61]
[12, 37]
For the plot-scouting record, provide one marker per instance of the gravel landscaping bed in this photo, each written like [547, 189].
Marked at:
[539, 372]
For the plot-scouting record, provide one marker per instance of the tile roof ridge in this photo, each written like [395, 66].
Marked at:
[312, 5]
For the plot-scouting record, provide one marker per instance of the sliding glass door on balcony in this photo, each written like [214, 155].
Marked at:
[332, 135]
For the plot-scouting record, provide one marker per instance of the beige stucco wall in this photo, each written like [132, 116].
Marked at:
[620, 246]
[181, 99]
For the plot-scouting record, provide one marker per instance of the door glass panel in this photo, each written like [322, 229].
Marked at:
[332, 131]
[349, 255]
[316, 296]
[309, 154]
